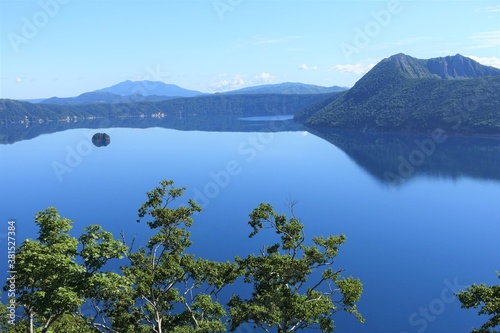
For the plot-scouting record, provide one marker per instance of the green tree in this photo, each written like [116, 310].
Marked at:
[99, 287]
[166, 289]
[4, 318]
[172, 291]
[284, 297]
[47, 272]
[70, 323]
[66, 323]
[487, 299]
[51, 284]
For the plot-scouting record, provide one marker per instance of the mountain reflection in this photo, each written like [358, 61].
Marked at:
[18, 132]
[394, 159]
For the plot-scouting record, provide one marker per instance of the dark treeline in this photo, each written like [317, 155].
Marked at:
[221, 105]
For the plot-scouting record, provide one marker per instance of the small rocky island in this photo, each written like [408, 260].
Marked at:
[101, 140]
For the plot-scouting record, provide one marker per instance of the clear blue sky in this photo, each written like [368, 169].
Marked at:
[67, 47]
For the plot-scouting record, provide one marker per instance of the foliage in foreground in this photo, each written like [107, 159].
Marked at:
[284, 297]
[487, 299]
[63, 283]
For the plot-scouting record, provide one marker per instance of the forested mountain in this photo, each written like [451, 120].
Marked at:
[404, 94]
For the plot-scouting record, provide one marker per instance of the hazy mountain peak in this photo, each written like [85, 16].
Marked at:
[149, 88]
[399, 56]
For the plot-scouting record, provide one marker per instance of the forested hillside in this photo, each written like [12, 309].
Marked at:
[239, 105]
[401, 94]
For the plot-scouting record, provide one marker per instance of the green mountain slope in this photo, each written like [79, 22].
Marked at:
[404, 94]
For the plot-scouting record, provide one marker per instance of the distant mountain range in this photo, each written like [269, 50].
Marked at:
[103, 97]
[155, 91]
[287, 88]
[126, 92]
[405, 94]
[149, 88]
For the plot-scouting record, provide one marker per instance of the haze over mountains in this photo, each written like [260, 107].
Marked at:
[155, 91]
[102, 97]
[127, 92]
[287, 88]
[405, 94]
[149, 88]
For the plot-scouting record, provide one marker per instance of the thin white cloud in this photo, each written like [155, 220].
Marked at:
[264, 78]
[19, 80]
[225, 83]
[491, 61]
[305, 67]
[357, 69]
[235, 82]
[486, 39]
[490, 9]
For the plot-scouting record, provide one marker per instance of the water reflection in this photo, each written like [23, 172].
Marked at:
[396, 158]
[392, 159]
[393, 236]
[18, 132]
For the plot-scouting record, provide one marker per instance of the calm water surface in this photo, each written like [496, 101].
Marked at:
[412, 243]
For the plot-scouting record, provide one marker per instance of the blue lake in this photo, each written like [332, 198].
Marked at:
[421, 214]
